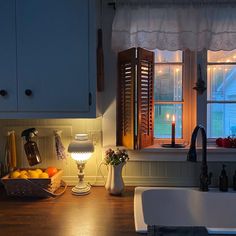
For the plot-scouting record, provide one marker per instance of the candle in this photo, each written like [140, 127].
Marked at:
[173, 131]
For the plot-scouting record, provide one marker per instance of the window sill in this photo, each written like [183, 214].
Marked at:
[158, 153]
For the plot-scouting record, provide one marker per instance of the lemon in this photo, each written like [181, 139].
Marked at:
[39, 171]
[33, 174]
[23, 172]
[44, 175]
[23, 176]
[15, 174]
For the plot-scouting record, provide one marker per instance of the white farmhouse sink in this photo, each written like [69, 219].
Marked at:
[168, 206]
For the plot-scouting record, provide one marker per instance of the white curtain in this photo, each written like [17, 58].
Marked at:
[174, 26]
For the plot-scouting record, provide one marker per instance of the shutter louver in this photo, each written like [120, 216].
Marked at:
[126, 96]
[145, 110]
[135, 107]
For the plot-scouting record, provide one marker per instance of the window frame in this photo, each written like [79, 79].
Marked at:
[211, 140]
[194, 102]
[189, 98]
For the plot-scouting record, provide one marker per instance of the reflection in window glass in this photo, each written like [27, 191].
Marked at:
[167, 56]
[168, 93]
[168, 83]
[221, 120]
[221, 56]
[163, 118]
[221, 94]
[221, 82]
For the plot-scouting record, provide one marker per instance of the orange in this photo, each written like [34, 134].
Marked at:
[51, 171]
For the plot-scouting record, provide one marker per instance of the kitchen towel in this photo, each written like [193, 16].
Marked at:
[60, 149]
[154, 230]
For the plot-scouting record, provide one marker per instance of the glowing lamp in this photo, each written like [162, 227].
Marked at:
[81, 150]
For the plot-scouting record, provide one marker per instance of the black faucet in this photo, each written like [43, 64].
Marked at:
[205, 179]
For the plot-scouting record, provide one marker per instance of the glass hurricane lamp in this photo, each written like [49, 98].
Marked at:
[81, 150]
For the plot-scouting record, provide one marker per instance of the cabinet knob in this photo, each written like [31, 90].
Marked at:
[3, 92]
[28, 92]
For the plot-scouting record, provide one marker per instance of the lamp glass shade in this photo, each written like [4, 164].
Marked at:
[81, 156]
[81, 148]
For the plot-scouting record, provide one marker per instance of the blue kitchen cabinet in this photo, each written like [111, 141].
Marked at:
[8, 83]
[53, 59]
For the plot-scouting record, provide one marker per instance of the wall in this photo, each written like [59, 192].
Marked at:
[46, 144]
[135, 172]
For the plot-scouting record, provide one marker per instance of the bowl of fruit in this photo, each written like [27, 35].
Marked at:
[40, 182]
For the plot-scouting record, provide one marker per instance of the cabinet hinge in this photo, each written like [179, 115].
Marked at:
[90, 99]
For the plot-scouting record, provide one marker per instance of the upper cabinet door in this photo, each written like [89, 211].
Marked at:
[53, 55]
[8, 89]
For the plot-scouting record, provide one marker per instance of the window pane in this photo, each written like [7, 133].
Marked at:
[168, 56]
[162, 125]
[221, 82]
[221, 120]
[168, 83]
[221, 56]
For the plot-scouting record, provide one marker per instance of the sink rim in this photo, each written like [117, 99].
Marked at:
[140, 225]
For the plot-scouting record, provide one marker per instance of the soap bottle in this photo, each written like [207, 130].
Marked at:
[31, 148]
[223, 180]
[234, 181]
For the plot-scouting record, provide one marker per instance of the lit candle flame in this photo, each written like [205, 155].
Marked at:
[173, 118]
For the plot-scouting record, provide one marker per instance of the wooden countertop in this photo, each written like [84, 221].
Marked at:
[96, 214]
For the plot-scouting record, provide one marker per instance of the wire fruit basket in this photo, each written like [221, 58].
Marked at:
[35, 187]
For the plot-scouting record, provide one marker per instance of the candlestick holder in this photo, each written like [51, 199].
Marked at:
[175, 145]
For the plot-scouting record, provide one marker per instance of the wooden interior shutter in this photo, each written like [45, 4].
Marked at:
[126, 98]
[145, 103]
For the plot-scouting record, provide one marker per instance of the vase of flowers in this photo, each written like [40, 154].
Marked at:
[108, 181]
[115, 160]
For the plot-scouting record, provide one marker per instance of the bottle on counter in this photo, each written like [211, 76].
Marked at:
[31, 148]
[223, 181]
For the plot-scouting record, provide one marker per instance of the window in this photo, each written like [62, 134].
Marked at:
[173, 94]
[149, 100]
[221, 94]
[168, 93]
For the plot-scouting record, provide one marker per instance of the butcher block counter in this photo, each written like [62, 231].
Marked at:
[96, 214]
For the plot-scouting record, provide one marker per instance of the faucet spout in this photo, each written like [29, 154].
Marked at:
[205, 179]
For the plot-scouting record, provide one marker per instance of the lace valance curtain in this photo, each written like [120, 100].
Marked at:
[174, 26]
